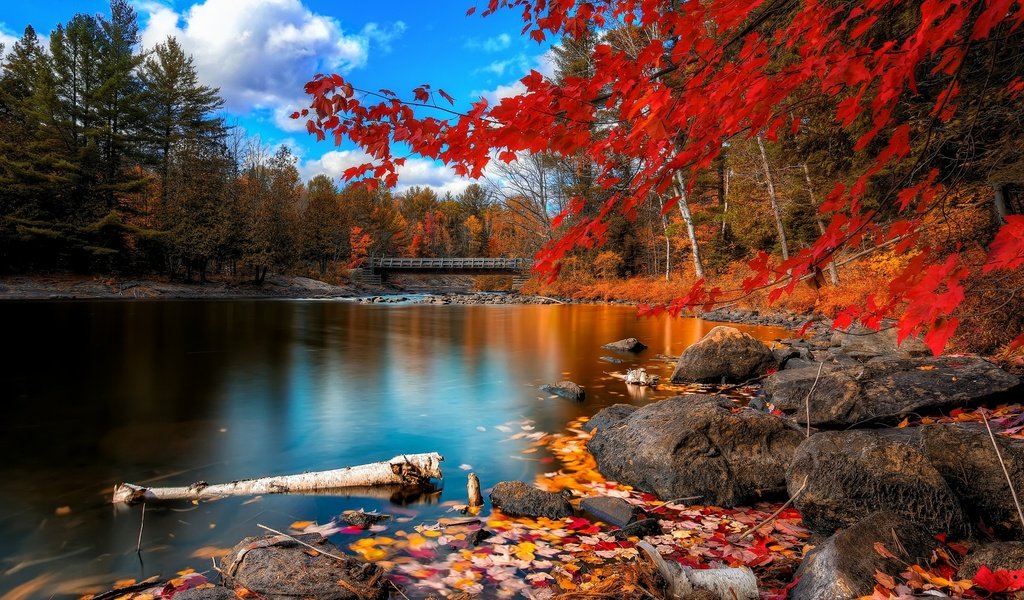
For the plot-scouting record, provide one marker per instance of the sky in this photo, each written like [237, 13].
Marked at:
[261, 52]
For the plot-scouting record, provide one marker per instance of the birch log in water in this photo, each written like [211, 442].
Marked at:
[407, 469]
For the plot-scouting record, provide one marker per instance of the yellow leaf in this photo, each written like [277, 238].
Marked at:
[186, 572]
[208, 552]
[123, 583]
[904, 422]
[300, 525]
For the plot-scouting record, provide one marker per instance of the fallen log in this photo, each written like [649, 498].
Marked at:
[726, 583]
[407, 470]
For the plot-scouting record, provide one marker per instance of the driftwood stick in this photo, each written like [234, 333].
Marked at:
[407, 469]
[808, 399]
[1009, 481]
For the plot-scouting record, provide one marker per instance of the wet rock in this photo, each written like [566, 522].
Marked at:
[614, 511]
[862, 343]
[566, 389]
[210, 593]
[1007, 556]
[884, 391]
[640, 529]
[724, 355]
[359, 518]
[612, 360]
[518, 499]
[478, 536]
[609, 417]
[278, 568]
[852, 474]
[963, 454]
[844, 566]
[695, 446]
[626, 345]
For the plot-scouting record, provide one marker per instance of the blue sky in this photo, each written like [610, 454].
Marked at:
[261, 52]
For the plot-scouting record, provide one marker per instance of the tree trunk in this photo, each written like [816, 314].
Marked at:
[407, 469]
[999, 201]
[833, 272]
[668, 242]
[774, 200]
[684, 208]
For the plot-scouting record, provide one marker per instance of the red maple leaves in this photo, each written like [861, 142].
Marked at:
[714, 70]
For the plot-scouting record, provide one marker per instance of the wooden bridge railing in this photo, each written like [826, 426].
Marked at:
[385, 264]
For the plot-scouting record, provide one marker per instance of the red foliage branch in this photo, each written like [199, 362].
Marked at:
[718, 69]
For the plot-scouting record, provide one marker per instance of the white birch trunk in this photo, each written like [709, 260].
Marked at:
[684, 209]
[774, 200]
[408, 469]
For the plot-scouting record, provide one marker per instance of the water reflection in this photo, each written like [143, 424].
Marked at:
[173, 392]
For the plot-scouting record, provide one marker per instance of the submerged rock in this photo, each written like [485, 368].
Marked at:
[695, 446]
[566, 389]
[852, 474]
[209, 593]
[626, 345]
[724, 355]
[885, 390]
[278, 568]
[518, 499]
[844, 565]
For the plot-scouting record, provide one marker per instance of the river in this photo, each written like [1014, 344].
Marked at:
[171, 392]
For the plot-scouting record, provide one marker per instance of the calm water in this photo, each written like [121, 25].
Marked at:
[172, 392]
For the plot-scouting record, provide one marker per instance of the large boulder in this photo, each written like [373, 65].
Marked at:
[566, 389]
[278, 568]
[724, 355]
[1000, 556]
[839, 478]
[609, 417]
[883, 391]
[626, 345]
[965, 457]
[697, 446]
[518, 499]
[862, 343]
[844, 566]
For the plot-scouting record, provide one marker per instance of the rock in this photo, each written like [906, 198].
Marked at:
[998, 556]
[360, 518]
[963, 454]
[694, 446]
[883, 391]
[798, 363]
[614, 511]
[852, 474]
[566, 389]
[478, 536]
[626, 345]
[640, 529]
[209, 593]
[612, 360]
[609, 417]
[280, 570]
[724, 355]
[844, 566]
[862, 343]
[518, 499]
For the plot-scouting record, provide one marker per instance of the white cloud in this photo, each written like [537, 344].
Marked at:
[494, 44]
[415, 172]
[261, 52]
[6, 39]
[543, 64]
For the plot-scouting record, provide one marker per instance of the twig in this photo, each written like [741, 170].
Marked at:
[775, 514]
[142, 525]
[808, 400]
[1002, 464]
[673, 501]
[298, 541]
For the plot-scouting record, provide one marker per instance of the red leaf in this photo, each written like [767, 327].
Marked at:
[1007, 250]
[999, 581]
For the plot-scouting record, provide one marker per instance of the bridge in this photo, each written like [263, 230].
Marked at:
[377, 269]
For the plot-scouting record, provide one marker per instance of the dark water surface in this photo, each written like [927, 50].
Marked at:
[171, 392]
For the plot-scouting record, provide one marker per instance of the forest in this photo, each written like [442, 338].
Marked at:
[117, 160]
